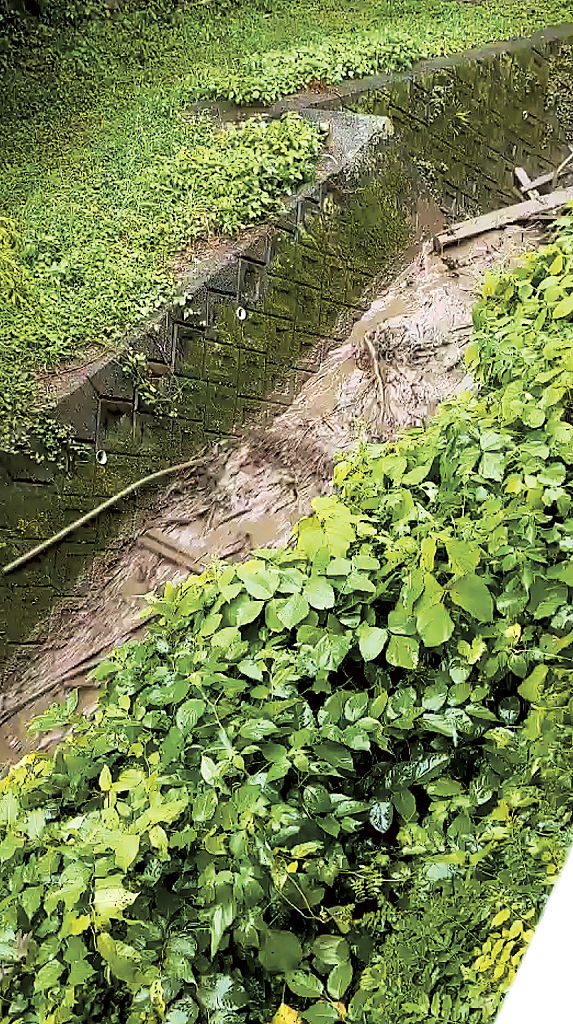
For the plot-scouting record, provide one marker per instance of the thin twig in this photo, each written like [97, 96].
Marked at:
[562, 166]
[377, 374]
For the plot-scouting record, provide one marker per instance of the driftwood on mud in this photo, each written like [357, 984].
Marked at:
[529, 186]
[517, 213]
[164, 545]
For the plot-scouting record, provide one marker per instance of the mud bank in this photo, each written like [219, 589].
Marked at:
[401, 359]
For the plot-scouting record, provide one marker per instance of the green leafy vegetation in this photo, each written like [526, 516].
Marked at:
[335, 780]
[108, 174]
[101, 258]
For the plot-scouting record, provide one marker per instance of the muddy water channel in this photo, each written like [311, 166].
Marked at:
[343, 324]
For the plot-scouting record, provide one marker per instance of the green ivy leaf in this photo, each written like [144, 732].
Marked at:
[304, 984]
[471, 594]
[434, 625]
[403, 652]
[319, 593]
[294, 610]
[371, 640]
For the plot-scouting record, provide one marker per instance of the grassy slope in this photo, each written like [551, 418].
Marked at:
[89, 133]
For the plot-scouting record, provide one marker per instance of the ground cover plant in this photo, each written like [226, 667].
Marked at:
[334, 783]
[106, 174]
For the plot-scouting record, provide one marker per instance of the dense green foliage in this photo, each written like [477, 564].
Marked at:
[102, 258]
[100, 151]
[340, 771]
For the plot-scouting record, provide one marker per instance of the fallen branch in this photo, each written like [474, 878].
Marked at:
[515, 214]
[67, 530]
[162, 544]
[526, 185]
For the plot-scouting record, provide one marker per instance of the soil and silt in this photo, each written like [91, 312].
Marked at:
[400, 360]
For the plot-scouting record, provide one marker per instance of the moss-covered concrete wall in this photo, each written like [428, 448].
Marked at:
[232, 356]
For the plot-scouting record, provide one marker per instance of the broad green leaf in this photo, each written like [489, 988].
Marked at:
[405, 803]
[459, 693]
[73, 882]
[434, 625]
[531, 688]
[294, 610]
[123, 960]
[435, 695]
[80, 973]
[304, 984]
[563, 308]
[251, 669]
[319, 593]
[188, 714]
[471, 593]
[281, 951]
[260, 581]
[258, 728]
[355, 706]
[492, 465]
[126, 850]
[48, 975]
[204, 806]
[111, 899]
[463, 557]
[221, 920]
[321, 1013]
[339, 979]
[403, 652]
[361, 582]
[331, 949]
[223, 638]
[210, 770]
[371, 640]
[243, 610]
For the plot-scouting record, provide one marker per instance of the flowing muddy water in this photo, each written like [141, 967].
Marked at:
[250, 494]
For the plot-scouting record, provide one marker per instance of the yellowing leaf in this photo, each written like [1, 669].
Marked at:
[500, 918]
[530, 688]
[563, 308]
[286, 1015]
